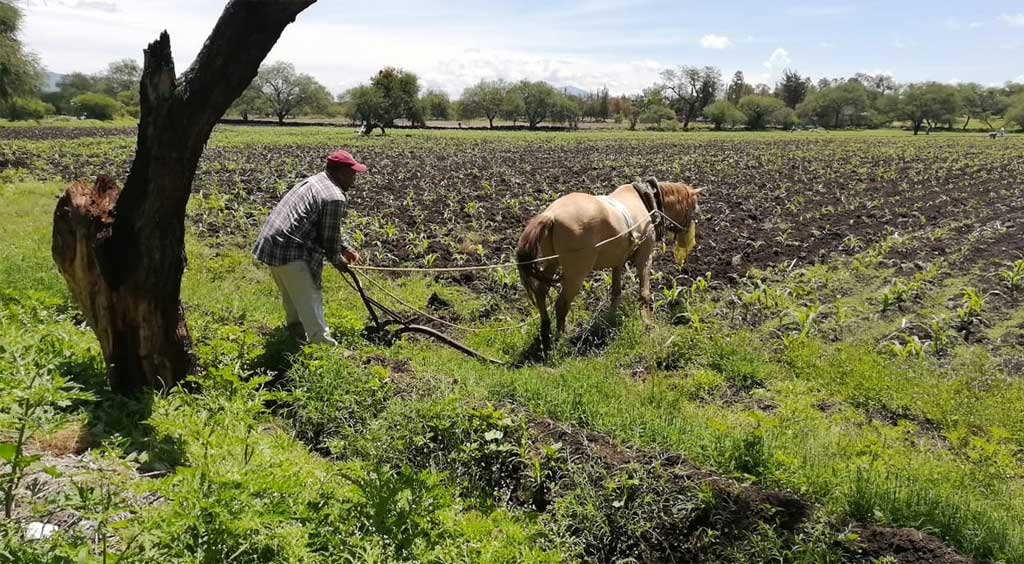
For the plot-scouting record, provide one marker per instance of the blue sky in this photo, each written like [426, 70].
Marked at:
[621, 45]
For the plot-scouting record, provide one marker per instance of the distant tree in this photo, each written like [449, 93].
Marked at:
[724, 112]
[68, 87]
[538, 101]
[252, 102]
[1015, 111]
[289, 92]
[400, 90]
[566, 109]
[512, 107]
[23, 109]
[762, 89]
[832, 103]
[759, 110]
[793, 88]
[603, 105]
[20, 72]
[96, 106]
[484, 99]
[130, 100]
[618, 105]
[981, 103]
[638, 105]
[738, 88]
[655, 114]
[881, 83]
[436, 104]
[785, 118]
[928, 104]
[368, 107]
[318, 98]
[691, 88]
[121, 76]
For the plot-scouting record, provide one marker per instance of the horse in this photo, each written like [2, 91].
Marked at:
[579, 233]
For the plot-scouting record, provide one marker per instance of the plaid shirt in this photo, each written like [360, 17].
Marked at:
[305, 225]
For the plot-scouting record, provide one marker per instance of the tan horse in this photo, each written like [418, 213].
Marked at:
[582, 230]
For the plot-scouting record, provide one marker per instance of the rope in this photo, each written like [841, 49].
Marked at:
[381, 287]
[366, 268]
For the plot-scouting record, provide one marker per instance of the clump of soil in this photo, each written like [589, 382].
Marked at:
[904, 546]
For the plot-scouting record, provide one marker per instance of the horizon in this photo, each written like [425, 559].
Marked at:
[565, 44]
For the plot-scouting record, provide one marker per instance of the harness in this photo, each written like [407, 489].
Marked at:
[650, 194]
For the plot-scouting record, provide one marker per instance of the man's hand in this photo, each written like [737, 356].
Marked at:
[350, 256]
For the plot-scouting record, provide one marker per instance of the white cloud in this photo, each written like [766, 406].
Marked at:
[826, 45]
[712, 41]
[1019, 79]
[1013, 20]
[778, 60]
[974, 25]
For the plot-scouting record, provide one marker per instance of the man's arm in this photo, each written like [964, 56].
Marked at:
[336, 245]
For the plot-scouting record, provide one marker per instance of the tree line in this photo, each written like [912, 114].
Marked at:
[682, 96]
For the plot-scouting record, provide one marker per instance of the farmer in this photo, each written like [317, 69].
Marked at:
[303, 230]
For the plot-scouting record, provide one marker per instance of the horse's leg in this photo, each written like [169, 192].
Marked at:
[540, 298]
[616, 291]
[572, 283]
[643, 271]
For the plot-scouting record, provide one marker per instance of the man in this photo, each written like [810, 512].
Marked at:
[302, 231]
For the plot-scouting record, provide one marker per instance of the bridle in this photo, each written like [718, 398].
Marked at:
[650, 193]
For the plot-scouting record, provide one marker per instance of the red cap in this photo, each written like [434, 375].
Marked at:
[344, 158]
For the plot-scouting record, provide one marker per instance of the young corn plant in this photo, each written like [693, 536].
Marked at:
[970, 312]
[1013, 276]
[941, 336]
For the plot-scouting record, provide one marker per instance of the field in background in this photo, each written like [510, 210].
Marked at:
[849, 332]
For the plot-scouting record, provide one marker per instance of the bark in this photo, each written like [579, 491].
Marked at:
[122, 252]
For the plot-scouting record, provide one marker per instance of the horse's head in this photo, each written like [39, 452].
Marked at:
[681, 206]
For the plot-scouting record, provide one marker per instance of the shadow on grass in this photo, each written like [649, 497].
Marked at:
[279, 350]
[118, 420]
[592, 338]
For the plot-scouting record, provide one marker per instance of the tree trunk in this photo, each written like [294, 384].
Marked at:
[966, 123]
[122, 252]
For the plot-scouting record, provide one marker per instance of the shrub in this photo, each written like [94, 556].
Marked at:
[97, 106]
[657, 114]
[21, 109]
[785, 118]
[724, 112]
[667, 125]
[1015, 114]
[759, 110]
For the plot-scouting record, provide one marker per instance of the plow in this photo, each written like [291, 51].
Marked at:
[387, 326]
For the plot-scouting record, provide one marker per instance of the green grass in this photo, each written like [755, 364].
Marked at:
[818, 407]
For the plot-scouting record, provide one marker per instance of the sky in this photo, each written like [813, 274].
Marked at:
[621, 45]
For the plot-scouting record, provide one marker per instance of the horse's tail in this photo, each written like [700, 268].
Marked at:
[527, 252]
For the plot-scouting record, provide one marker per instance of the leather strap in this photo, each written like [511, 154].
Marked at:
[650, 194]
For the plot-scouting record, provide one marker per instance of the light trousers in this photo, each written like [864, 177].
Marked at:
[303, 300]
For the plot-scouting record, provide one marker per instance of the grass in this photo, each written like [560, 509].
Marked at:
[401, 452]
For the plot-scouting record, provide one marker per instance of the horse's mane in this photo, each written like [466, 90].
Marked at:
[680, 201]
